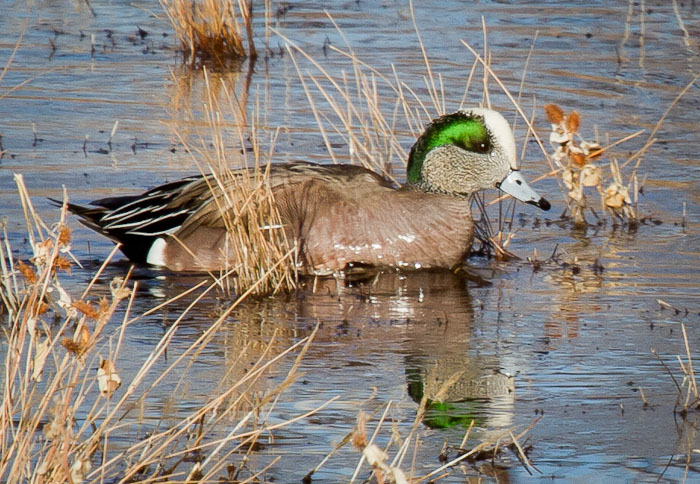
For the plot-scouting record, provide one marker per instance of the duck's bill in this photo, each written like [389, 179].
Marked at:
[516, 186]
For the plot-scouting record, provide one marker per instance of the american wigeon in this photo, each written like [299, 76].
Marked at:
[336, 214]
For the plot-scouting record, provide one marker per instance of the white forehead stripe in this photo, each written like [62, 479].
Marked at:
[500, 128]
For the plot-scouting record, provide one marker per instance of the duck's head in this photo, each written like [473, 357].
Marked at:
[467, 151]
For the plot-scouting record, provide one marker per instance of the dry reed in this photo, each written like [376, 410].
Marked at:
[212, 29]
[259, 255]
[688, 396]
[59, 419]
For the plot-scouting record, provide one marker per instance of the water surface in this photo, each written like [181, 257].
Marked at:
[570, 343]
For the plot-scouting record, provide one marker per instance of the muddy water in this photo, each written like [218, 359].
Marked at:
[570, 342]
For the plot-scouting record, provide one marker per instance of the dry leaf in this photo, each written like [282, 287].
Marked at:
[43, 251]
[41, 351]
[64, 300]
[591, 149]
[107, 378]
[374, 455]
[554, 113]
[31, 327]
[558, 138]
[118, 292]
[52, 429]
[57, 424]
[43, 468]
[614, 198]
[398, 475]
[569, 178]
[573, 122]
[559, 156]
[590, 176]
[80, 468]
[576, 195]
[578, 159]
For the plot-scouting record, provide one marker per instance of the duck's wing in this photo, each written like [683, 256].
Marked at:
[136, 220]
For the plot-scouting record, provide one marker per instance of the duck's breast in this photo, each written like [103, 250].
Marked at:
[378, 225]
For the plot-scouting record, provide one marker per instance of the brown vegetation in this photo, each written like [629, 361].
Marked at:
[212, 29]
[59, 418]
[578, 161]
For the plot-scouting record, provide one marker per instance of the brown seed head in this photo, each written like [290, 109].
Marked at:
[27, 271]
[79, 343]
[104, 305]
[86, 308]
[573, 121]
[359, 438]
[62, 264]
[554, 113]
[64, 235]
[579, 159]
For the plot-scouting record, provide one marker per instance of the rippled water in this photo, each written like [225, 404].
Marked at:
[573, 341]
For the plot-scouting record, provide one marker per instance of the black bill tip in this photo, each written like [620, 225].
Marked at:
[541, 203]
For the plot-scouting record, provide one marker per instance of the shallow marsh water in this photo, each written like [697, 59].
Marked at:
[576, 340]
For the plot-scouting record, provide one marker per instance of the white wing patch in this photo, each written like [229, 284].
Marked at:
[156, 254]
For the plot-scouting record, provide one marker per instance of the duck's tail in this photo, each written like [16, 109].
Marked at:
[135, 246]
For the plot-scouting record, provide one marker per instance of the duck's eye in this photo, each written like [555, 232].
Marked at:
[481, 146]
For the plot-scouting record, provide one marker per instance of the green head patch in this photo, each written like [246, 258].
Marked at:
[467, 131]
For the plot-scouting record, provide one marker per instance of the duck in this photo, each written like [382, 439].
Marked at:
[337, 215]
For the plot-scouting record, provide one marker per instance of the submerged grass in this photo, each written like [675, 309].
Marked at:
[688, 396]
[65, 403]
[687, 403]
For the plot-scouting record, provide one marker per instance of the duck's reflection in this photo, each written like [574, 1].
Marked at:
[435, 313]
[421, 321]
